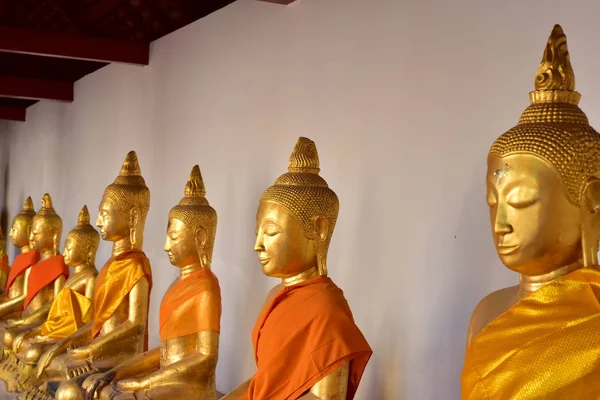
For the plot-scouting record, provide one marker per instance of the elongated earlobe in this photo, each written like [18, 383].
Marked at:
[590, 222]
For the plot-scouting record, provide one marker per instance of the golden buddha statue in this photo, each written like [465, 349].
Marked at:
[183, 367]
[72, 307]
[539, 339]
[118, 330]
[306, 343]
[11, 303]
[4, 266]
[45, 279]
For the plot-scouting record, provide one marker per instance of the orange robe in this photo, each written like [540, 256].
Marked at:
[191, 305]
[303, 334]
[20, 265]
[544, 347]
[69, 312]
[119, 275]
[43, 274]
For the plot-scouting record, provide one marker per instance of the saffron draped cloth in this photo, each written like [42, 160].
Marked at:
[114, 282]
[547, 346]
[20, 265]
[69, 312]
[43, 274]
[191, 305]
[303, 334]
[4, 265]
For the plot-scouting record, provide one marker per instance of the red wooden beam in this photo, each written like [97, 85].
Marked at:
[99, 10]
[35, 89]
[14, 40]
[13, 113]
[284, 2]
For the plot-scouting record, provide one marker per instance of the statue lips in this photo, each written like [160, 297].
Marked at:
[264, 261]
[506, 250]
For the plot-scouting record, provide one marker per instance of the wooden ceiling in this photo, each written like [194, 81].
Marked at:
[47, 45]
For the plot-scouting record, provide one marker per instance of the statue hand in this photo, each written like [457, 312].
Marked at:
[47, 358]
[18, 341]
[132, 385]
[94, 384]
[79, 353]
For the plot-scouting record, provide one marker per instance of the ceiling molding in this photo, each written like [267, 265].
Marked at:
[13, 113]
[13, 40]
[35, 89]
[282, 2]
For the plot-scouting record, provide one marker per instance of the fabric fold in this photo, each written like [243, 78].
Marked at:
[114, 282]
[43, 274]
[305, 332]
[544, 347]
[191, 305]
[20, 265]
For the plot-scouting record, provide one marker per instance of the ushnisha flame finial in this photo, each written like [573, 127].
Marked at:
[194, 211]
[84, 217]
[555, 79]
[304, 157]
[28, 206]
[47, 206]
[27, 211]
[195, 184]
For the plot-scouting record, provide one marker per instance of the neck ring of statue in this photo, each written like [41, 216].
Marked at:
[84, 266]
[188, 270]
[529, 284]
[121, 246]
[46, 254]
[310, 273]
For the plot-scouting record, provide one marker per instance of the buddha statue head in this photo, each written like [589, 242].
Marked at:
[296, 217]
[21, 226]
[125, 204]
[82, 242]
[192, 226]
[46, 229]
[543, 186]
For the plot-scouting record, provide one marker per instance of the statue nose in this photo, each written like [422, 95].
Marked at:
[502, 229]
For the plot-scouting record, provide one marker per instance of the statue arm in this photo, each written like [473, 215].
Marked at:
[59, 283]
[42, 312]
[186, 370]
[12, 305]
[35, 331]
[100, 348]
[81, 336]
[90, 286]
[16, 303]
[3, 279]
[141, 364]
[331, 387]
[38, 316]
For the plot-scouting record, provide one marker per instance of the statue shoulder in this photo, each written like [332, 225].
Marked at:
[490, 308]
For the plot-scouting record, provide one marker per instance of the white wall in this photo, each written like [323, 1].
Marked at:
[3, 173]
[403, 99]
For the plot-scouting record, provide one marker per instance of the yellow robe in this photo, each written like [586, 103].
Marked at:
[69, 312]
[547, 346]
